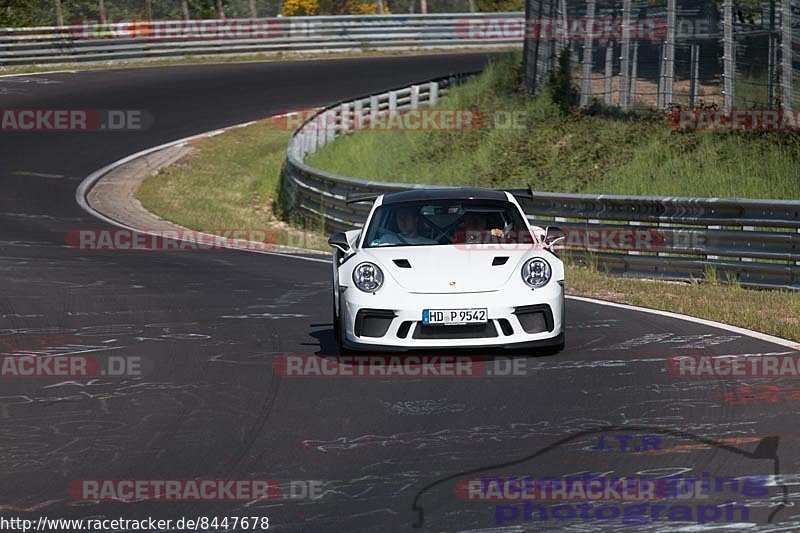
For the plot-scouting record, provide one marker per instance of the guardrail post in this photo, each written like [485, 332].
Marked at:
[713, 256]
[664, 225]
[347, 119]
[634, 223]
[374, 108]
[330, 126]
[433, 94]
[359, 114]
[747, 228]
[414, 97]
[313, 139]
[392, 102]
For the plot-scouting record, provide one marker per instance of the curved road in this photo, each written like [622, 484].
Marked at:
[385, 451]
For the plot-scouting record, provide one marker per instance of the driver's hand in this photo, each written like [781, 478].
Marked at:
[497, 232]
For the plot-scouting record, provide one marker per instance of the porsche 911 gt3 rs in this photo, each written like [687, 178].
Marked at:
[447, 268]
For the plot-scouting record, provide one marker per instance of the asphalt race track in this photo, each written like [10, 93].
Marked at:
[384, 453]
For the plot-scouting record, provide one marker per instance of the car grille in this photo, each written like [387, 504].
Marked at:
[467, 331]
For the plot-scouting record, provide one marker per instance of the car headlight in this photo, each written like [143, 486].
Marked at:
[368, 277]
[536, 273]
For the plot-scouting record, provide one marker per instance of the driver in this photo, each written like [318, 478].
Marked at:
[407, 220]
[475, 229]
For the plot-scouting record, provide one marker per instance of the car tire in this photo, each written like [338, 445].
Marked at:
[337, 323]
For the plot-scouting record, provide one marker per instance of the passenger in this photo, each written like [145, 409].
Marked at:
[475, 230]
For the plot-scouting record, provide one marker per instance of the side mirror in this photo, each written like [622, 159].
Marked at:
[339, 241]
[553, 235]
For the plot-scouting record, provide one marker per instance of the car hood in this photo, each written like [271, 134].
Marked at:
[449, 269]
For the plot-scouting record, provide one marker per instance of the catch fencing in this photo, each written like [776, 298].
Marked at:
[663, 54]
[755, 242]
[141, 40]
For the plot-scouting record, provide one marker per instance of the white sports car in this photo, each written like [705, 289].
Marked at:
[447, 268]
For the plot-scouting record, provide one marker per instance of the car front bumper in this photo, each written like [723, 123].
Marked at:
[518, 317]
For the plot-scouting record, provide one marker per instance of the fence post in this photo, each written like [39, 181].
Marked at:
[772, 56]
[624, 65]
[727, 55]
[669, 55]
[588, 48]
[609, 71]
[634, 72]
[786, 56]
[392, 102]
[695, 74]
[661, 68]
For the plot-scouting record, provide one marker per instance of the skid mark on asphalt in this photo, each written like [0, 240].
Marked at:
[682, 341]
[424, 407]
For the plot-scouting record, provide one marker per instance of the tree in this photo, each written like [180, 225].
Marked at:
[293, 8]
[59, 13]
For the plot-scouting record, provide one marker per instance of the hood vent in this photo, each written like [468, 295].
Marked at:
[402, 263]
[497, 261]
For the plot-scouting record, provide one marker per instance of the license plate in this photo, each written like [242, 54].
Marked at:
[451, 317]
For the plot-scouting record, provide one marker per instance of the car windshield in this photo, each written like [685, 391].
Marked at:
[445, 222]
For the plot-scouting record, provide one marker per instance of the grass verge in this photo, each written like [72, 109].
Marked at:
[229, 182]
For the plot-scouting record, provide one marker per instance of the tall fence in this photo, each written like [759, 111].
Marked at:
[721, 54]
[755, 242]
[135, 40]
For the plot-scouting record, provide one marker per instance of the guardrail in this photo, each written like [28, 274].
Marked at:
[95, 41]
[756, 242]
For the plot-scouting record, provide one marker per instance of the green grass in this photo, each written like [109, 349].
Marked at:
[593, 151]
[229, 183]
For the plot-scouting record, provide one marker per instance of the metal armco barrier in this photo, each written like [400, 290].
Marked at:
[138, 40]
[756, 242]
